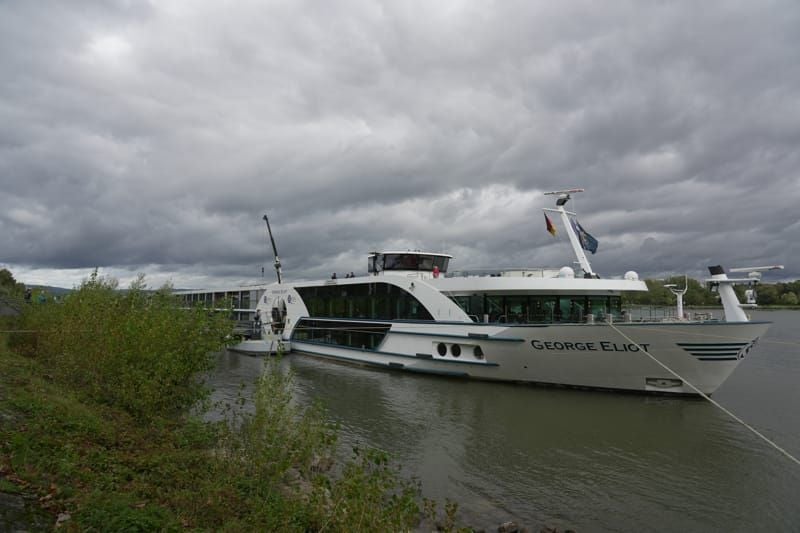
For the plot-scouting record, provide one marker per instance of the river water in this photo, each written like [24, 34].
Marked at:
[590, 461]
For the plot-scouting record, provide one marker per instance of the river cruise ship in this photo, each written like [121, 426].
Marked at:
[542, 326]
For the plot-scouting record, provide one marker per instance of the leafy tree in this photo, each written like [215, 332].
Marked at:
[768, 294]
[137, 350]
[789, 298]
[658, 294]
[10, 286]
[794, 287]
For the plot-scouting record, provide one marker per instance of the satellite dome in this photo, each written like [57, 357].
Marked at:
[566, 273]
[630, 275]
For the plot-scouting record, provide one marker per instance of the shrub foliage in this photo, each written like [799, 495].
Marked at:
[133, 349]
[286, 454]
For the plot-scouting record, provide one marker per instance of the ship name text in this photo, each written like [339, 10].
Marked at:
[599, 346]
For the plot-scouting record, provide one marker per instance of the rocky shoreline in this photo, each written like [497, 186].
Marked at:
[22, 512]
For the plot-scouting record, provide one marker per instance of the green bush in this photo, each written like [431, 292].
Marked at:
[121, 512]
[132, 349]
[370, 495]
[284, 456]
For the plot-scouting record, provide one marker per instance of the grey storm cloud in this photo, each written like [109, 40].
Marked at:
[152, 137]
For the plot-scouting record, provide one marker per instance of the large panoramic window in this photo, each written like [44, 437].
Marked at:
[379, 300]
[364, 335]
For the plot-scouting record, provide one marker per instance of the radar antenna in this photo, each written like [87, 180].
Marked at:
[563, 196]
[274, 251]
[755, 272]
[722, 284]
[679, 294]
[754, 277]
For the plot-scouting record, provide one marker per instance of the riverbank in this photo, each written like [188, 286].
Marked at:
[87, 466]
[101, 403]
[93, 466]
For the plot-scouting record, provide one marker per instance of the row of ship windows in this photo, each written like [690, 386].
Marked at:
[238, 299]
[529, 309]
[385, 301]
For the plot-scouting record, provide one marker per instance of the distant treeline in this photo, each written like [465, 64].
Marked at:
[699, 294]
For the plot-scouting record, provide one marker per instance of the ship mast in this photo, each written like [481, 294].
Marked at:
[274, 250]
[679, 294]
[722, 284]
[563, 198]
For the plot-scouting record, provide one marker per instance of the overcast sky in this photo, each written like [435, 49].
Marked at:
[153, 137]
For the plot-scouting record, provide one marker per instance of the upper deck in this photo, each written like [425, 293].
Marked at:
[532, 285]
[433, 267]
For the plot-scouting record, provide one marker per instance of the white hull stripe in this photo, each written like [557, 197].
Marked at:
[396, 366]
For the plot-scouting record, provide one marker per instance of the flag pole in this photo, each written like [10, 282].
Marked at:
[563, 197]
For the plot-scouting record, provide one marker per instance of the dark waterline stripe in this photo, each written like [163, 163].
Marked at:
[709, 349]
[453, 336]
[701, 345]
[390, 354]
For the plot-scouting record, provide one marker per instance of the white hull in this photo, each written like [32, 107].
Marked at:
[577, 355]
[536, 326]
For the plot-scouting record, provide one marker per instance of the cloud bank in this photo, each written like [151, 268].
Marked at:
[152, 137]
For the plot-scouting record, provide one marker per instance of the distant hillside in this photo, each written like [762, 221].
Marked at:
[55, 291]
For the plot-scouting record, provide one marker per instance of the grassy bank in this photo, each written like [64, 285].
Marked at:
[110, 471]
[98, 419]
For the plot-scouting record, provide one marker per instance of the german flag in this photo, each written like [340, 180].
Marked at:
[550, 227]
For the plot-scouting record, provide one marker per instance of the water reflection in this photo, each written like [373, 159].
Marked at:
[593, 460]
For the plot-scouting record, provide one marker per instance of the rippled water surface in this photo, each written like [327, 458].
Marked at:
[592, 461]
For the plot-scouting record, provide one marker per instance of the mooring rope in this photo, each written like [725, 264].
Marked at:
[788, 343]
[707, 397]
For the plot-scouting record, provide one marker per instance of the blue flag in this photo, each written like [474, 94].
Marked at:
[587, 241]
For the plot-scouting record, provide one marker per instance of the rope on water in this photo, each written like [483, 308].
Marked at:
[707, 397]
[788, 343]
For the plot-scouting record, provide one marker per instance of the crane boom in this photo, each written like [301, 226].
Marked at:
[274, 250]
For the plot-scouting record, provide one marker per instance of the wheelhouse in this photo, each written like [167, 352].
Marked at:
[414, 261]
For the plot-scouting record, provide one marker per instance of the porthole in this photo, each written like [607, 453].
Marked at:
[442, 349]
[477, 352]
[455, 350]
